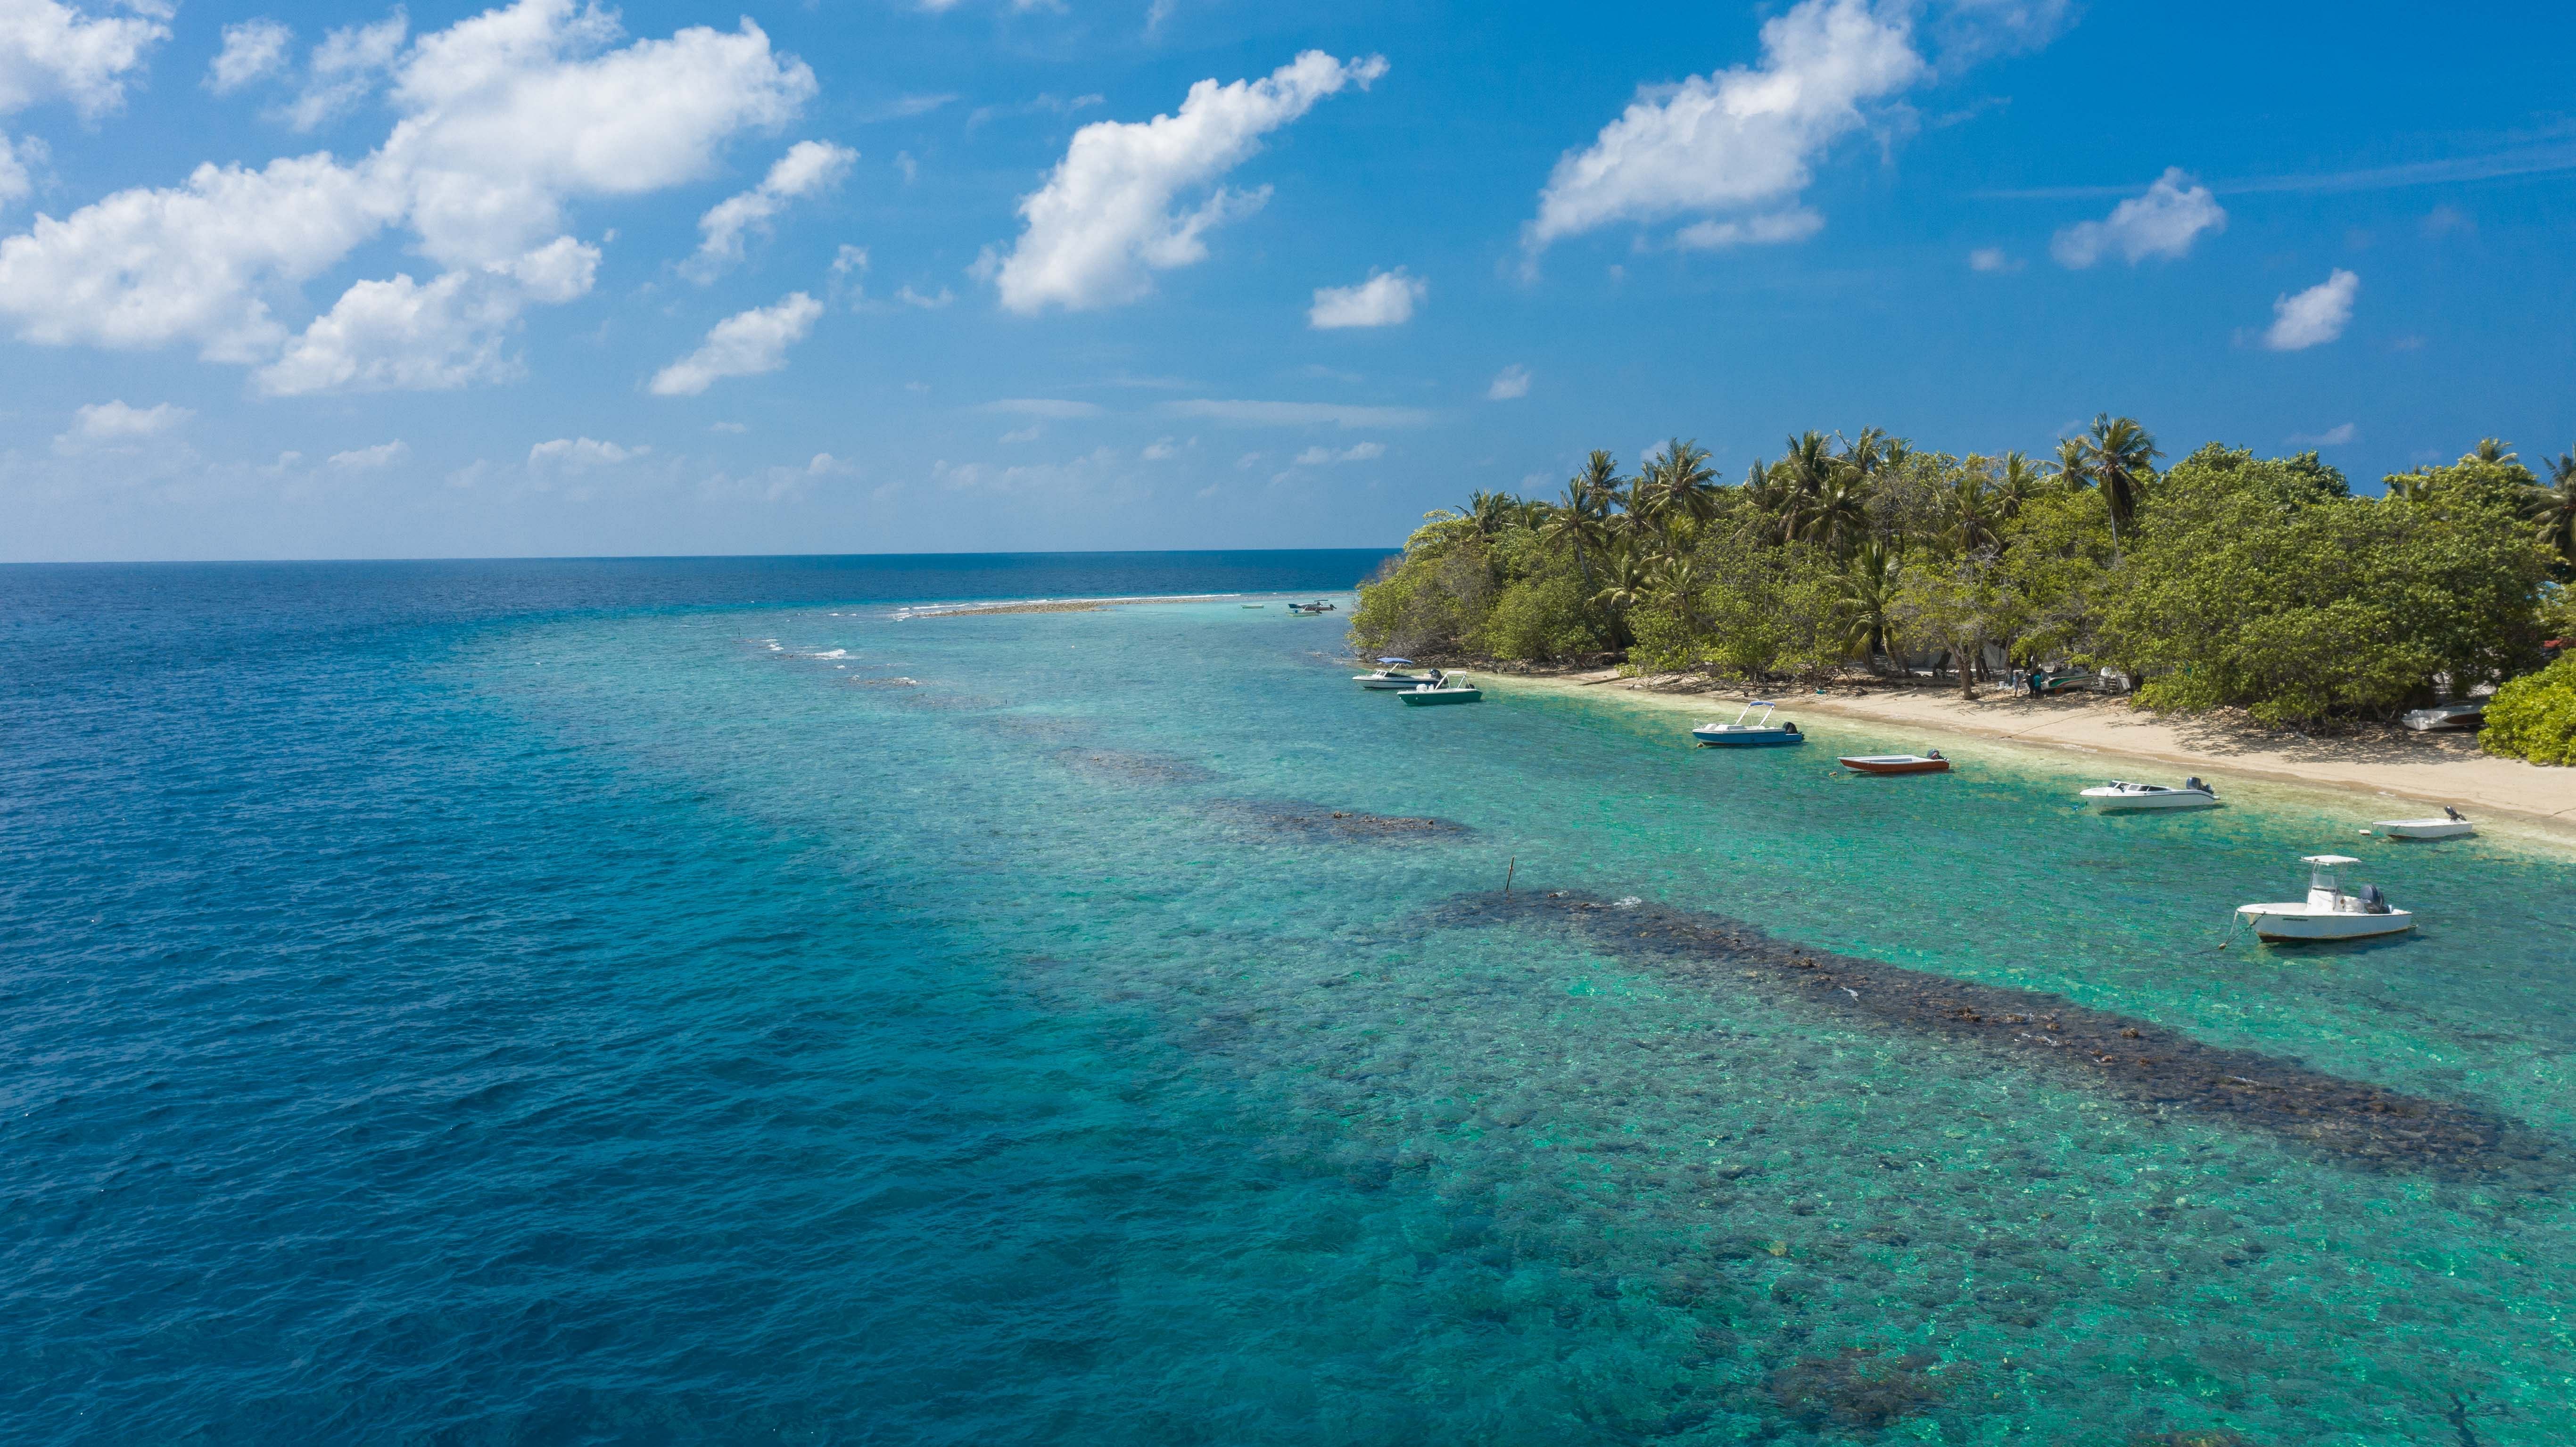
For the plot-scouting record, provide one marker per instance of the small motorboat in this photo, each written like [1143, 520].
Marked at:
[1761, 733]
[1396, 673]
[2451, 825]
[2328, 913]
[2120, 796]
[1452, 688]
[1924, 763]
[1256, 605]
[2446, 716]
[1310, 609]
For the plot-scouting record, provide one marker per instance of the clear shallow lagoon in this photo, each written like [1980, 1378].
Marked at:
[562, 1003]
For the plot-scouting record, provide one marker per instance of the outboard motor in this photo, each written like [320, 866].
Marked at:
[2194, 783]
[2455, 814]
[2372, 901]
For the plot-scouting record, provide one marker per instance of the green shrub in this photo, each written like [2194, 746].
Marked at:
[2534, 716]
[1538, 620]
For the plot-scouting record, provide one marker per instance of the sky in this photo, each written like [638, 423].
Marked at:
[867, 276]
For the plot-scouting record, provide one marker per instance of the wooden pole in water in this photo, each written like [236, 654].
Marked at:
[1507, 875]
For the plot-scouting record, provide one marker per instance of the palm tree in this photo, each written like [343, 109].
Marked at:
[1628, 583]
[1972, 512]
[2017, 481]
[1489, 512]
[1803, 474]
[1583, 520]
[1838, 515]
[2119, 457]
[2554, 508]
[1868, 596]
[2496, 450]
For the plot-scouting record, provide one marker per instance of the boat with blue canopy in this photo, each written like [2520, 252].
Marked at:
[1761, 733]
[1396, 673]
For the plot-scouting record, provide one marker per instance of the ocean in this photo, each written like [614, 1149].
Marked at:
[692, 1001]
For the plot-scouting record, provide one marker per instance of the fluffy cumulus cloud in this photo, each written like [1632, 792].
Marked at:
[1743, 140]
[116, 421]
[1106, 220]
[2313, 317]
[742, 345]
[807, 168]
[253, 51]
[1509, 384]
[503, 120]
[346, 67]
[1386, 299]
[2164, 222]
[580, 454]
[371, 459]
[52, 51]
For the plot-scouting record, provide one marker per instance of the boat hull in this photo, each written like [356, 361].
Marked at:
[1390, 682]
[2425, 828]
[1868, 765]
[2298, 922]
[1733, 738]
[2137, 803]
[1429, 697]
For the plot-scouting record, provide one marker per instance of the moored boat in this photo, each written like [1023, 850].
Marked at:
[2121, 796]
[1394, 673]
[1761, 733]
[1924, 763]
[2445, 716]
[2329, 912]
[1452, 688]
[2452, 825]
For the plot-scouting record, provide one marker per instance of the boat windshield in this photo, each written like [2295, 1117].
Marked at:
[1761, 704]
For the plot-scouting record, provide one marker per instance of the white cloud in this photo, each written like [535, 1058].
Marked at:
[113, 421]
[345, 68]
[909, 297]
[1356, 452]
[1992, 259]
[504, 118]
[742, 345]
[849, 259]
[1299, 414]
[580, 454]
[253, 51]
[1104, 222]
[2315, 316]
[807, 168]
[2335, 436]
[15, 183]
[49, 50]
[366, 459]
[1386, 299]
[1771, 229]
[1042, 407]
[1509, 383]
[1740, 139]
[2163, 222]
[1160, 449]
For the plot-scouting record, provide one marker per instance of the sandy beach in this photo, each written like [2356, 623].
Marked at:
[1046, 605]
[2435, 769]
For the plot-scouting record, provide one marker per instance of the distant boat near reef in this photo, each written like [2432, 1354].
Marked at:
[1452, 688]
[2328, 913]
[2120, 796]
[1924, 763]
[1310, 609]
[2452, 825]
[1396, 673]
[1740, 735]
[2446, 716]
[1256, 605]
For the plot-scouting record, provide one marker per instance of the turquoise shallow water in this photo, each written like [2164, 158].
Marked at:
[529, 1006]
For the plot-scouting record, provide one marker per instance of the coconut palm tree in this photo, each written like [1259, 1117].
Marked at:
[2496, 450]
[1838, 515]
[2124, 456]
[1489, 512]
[2553, 507]
[1972, 512]
[1868, 590]
[2017, 481]
[1800, 478]
[1626, 582]
[1582, 521]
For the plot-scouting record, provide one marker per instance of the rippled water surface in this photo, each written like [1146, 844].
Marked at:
[686, 1002]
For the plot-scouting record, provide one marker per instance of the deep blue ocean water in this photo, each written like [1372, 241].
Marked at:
[684, 1001]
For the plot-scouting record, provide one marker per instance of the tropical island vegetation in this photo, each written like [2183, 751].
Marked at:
[2225, 580]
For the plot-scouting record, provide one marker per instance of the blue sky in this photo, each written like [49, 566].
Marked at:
[296, 281]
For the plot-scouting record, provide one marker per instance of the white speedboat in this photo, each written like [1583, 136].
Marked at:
[1396, 673]
[2119, 796]
[2445, 716]
[2451, 825]
[1761, 733]
[2328, 913]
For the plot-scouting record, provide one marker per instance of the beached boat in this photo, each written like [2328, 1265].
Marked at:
[2447, 716]
[1761, 733]
[2120, 796]
[1452, 688]
[1396, 673]
[2328, 913]
[1931, 763]
[2450, 826]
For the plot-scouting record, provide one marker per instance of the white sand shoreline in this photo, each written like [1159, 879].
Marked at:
[2433, 769]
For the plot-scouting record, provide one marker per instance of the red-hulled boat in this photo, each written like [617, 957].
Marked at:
[1931, 763]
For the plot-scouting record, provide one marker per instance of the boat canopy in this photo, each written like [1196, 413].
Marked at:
[2327, 861]
[1391, 661]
